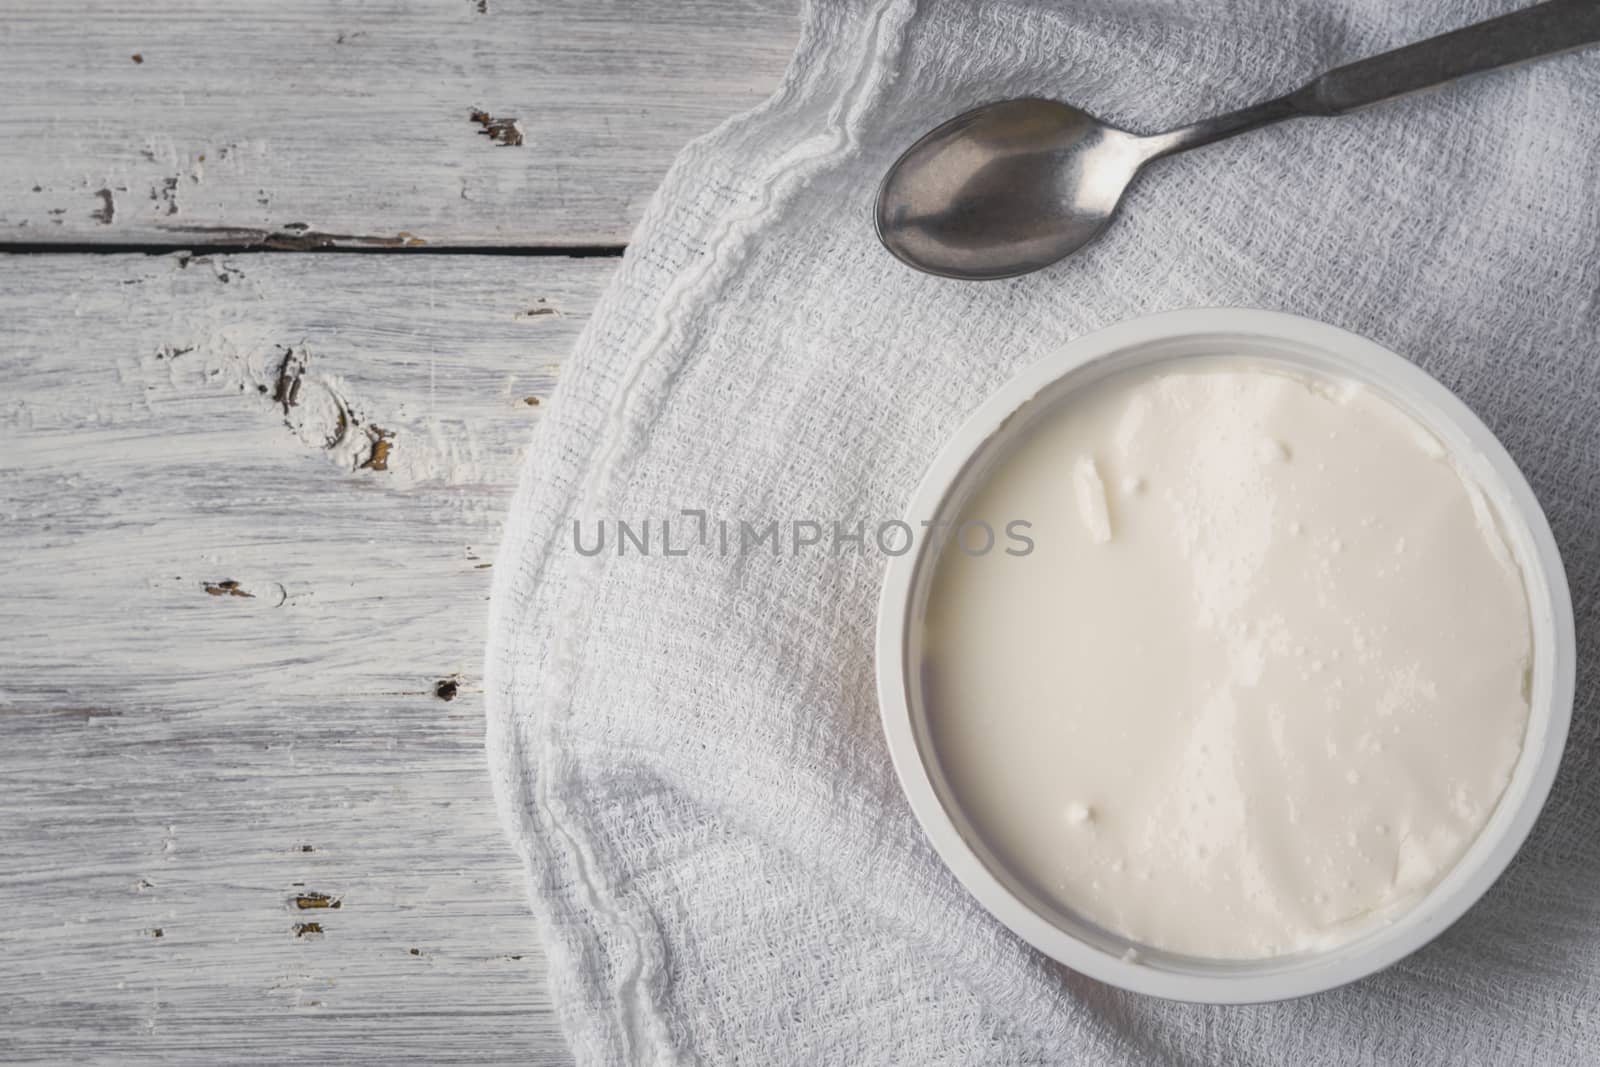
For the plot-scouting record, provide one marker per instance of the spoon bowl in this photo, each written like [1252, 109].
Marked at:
[1005, 189]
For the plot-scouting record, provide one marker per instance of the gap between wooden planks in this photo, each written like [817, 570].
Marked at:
[248, 510]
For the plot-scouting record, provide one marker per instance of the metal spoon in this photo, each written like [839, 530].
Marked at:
[1013, 186]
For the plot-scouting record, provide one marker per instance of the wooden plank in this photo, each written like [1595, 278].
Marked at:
[322, 122]
[248, 507]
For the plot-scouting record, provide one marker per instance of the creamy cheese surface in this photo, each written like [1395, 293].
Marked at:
[1262, 678]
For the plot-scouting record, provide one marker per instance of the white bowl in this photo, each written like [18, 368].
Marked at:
[963, 464]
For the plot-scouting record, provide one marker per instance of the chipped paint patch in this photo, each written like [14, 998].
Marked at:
[107, 209]
[382, 442]
[228, 587]
[504, 132]
[165, 196]
[291, 372]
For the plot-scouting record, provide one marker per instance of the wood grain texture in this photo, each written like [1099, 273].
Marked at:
[330, 122]
[248, 507]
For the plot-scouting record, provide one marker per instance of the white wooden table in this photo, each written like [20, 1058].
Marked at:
[250, 495]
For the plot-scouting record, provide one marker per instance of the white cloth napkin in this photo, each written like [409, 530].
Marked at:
[687, 749]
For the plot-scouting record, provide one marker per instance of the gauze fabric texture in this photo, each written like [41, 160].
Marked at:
[686, 749]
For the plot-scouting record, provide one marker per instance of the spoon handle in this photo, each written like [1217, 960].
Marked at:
[1541, 30]
[1537, 31]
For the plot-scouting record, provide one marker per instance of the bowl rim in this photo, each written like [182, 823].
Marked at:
[1550, 707]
